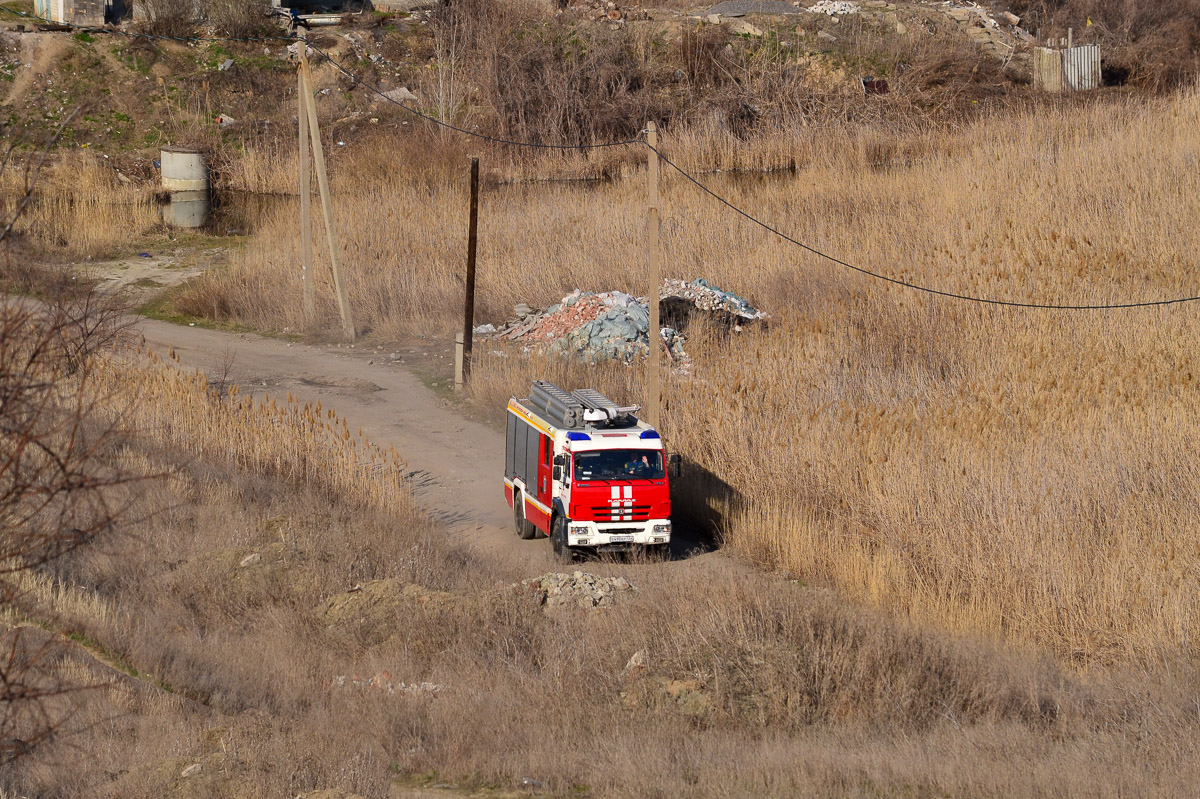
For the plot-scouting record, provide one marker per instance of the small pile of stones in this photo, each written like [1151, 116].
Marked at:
[582, 590]
[833, 8]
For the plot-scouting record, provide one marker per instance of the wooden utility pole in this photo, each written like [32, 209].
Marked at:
[652, 231]
[326, 204]
[306, 268]
[469, 297]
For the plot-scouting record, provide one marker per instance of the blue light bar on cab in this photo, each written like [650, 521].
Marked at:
[574, 436]
[648, 434]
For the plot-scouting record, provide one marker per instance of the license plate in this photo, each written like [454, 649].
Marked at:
[620, 539]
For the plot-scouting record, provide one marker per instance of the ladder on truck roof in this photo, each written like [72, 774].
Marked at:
[578, 408]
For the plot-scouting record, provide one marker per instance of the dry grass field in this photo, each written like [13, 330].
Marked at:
[246, 635]
[1023, 474]
[959, 548]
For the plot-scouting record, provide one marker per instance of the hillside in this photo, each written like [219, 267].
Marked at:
[935, 530]
[579, 76]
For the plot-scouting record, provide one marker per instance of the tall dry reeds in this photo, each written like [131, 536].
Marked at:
[306, 444]
[82, 208]
[1022, 473]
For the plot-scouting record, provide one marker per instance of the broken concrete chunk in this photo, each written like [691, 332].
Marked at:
[743, 28]
[401, 95]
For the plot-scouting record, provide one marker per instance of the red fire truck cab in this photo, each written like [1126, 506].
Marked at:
[586, 472]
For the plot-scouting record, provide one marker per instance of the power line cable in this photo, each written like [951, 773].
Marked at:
[905, 283]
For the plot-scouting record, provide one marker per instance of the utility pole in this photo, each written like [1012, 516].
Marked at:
[465, 339]
[652, 254]
[306, 269]
[314, 130]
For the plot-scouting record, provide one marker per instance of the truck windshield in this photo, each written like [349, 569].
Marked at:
[619, 464]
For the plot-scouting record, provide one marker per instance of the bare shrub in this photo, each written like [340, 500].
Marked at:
[58, 476]
[240, 18]
[176, 18]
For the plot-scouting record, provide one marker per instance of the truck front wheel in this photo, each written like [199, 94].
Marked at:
[525, 528]
[558, 540]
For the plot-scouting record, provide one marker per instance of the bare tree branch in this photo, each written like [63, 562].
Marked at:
[31, 179]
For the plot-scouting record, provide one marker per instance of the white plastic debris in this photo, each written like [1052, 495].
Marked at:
[833, 8]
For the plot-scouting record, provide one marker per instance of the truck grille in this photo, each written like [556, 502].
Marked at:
[608, 513]
[621, 531]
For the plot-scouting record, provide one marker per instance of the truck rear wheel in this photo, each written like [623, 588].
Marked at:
[558, 540]
[525, 528]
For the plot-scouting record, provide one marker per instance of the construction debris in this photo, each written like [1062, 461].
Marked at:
[833, 9]
[678, 300]
[580, 589]
[402, 95]
[616, 326]
[999, 37]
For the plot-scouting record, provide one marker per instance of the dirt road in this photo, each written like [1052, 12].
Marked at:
[457, 464]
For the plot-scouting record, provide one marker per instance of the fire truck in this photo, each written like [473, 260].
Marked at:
[586, 472]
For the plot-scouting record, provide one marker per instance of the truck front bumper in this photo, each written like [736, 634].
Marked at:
[605, 534]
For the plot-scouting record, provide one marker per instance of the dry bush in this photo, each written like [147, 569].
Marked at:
[60, 475]
[175, 18]
[546, 80]
[240, 18]
[508, 68]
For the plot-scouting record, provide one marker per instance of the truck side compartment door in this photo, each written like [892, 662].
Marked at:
[510, 453]
[545, 474]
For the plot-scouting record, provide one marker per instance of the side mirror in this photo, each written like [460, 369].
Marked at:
[675, 465]
[560, 459]
[558, 471]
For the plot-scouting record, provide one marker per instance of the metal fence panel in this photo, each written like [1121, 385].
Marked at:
[1081, 67]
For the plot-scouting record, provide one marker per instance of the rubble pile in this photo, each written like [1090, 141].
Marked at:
[701, 296]
[559, 589]
[600, 10]
[614, 325]
[610, 325]
[833, 8]
[998, 34]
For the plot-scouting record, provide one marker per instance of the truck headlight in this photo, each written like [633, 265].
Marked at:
[662, 528]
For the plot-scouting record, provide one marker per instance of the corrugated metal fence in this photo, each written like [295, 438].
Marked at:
[1076, 68]
[1081, 66]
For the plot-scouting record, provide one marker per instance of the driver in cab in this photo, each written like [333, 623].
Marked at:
[637, 466]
